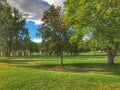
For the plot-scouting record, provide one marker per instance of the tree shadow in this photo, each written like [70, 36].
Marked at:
[22, 61]
[96, 67]
[16, 61]
[81, 68]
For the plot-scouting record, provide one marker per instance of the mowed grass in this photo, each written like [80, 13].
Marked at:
[84, 72]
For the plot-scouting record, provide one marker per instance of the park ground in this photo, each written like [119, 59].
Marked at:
[84, 72]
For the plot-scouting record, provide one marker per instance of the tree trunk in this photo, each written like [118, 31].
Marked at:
[110, 57]
[112, 53]
[7, 52]
[61, 56]
[61, 60]
[9, 48]
[110, 60]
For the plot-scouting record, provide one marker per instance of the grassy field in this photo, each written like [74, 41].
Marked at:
[84, 72]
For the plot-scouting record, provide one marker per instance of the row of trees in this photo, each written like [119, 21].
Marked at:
[95, 23]
[13, 33]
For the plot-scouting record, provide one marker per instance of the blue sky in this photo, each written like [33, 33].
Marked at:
[32, 30]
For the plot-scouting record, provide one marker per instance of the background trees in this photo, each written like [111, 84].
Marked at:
[33, 47]
[13, 34]
[98, 20]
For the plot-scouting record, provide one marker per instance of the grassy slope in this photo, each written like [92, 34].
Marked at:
[44, 73]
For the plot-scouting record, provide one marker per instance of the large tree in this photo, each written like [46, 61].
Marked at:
[13, 33]
[98, 19]
[54, 31]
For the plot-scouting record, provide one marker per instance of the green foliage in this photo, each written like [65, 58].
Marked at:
[13, 34]
[103, 17]
[33, 47]
[99, 19]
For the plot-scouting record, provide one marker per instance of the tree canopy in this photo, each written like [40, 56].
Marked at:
[100, 19]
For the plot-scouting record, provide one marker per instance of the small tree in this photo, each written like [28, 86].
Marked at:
[54, 32]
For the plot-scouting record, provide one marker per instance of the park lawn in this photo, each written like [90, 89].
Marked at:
[85, 72]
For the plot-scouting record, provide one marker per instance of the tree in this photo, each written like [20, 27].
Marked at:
[101, 20]
[54, 31]
[12, 31]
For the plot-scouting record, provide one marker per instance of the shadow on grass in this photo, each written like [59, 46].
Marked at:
[96, 67]
[81, 68]
[23, 61]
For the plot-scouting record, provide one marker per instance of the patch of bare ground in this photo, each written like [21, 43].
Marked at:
[5, 64]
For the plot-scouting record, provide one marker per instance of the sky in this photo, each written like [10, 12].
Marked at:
[33, 11]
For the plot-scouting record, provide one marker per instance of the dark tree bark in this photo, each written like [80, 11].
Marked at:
[112, 53]
[61, 55]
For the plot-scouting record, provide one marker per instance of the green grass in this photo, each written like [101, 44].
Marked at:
[85, 72]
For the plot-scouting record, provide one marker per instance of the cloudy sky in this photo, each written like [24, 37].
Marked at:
[35, 9]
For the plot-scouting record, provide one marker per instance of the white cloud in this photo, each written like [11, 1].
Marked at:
[37, 40]
[56, 2]
[34, 8]
[37, 22]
